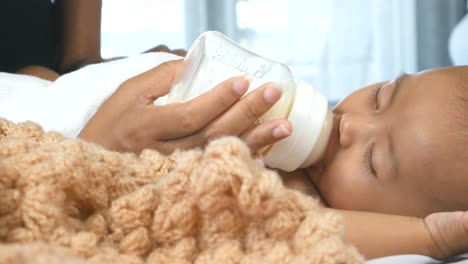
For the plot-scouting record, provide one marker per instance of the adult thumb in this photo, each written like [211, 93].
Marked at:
[157, 81]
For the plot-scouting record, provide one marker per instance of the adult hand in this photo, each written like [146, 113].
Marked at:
[129, 121]
[449, 233]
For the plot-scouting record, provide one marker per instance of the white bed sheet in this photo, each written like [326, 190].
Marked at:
[418, 259]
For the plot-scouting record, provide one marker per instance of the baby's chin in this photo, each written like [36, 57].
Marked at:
[314, 172]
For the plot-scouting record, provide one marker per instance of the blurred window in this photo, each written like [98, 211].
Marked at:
[132, 26]
[337, 45]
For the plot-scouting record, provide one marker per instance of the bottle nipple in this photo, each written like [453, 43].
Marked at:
[321, 146]
[312, 122]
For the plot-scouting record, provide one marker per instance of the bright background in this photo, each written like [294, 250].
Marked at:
[337, 45]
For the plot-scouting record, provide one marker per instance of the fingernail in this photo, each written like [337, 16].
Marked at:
[259, 158]
[271, 94]
[281, 131]
[241, 85]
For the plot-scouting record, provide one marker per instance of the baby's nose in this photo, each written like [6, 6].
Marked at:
[354, 128]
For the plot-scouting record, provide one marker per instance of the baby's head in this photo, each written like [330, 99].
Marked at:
[400, 146]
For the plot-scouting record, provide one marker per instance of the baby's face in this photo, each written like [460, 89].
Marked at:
[394, 149]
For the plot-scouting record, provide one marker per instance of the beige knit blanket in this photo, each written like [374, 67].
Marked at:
[68, 201]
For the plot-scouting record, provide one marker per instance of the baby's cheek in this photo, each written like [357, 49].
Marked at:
[345, 188]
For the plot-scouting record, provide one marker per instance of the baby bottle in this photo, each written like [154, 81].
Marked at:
[214, 58]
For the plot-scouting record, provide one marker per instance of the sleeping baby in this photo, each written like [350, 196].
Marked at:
[399, 148]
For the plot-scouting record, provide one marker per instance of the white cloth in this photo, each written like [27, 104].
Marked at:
[418, 259]
[458, 43]
[67, 104]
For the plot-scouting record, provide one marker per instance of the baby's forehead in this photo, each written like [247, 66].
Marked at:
[425, 121]
[457, 104]
[455, 78]
[431, 149]
[440, 90]
[460, 70]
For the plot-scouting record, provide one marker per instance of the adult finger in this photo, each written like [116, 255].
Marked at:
[245, 113]
[256, 138]
[183, 119]
[266, 134]
[183, 143]
[153, 83]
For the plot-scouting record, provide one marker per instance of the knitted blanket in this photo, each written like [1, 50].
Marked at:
[68, 201]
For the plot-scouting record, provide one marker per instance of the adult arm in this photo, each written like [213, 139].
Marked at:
[80, 33]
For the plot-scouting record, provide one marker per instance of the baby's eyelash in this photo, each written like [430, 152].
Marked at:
[367, 160]
[374, 96]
